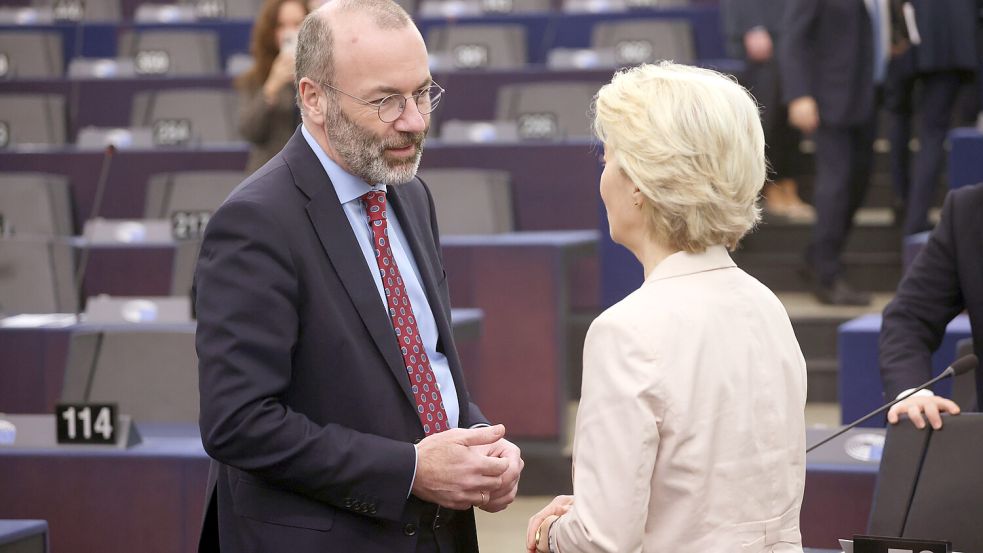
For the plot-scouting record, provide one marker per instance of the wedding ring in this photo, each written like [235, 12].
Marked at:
[483, 499]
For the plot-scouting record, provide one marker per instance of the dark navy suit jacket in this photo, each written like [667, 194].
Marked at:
[305, 403]
[948, 30]
[945, 279]
[827, 53]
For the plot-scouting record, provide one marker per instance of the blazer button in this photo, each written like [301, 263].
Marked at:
[410, 529]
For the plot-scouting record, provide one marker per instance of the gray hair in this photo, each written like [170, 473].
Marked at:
[315, 41]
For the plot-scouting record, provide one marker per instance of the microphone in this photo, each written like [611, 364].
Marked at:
[83, 263]
[959, 366]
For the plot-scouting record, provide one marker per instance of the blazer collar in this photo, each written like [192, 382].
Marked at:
[684, 263]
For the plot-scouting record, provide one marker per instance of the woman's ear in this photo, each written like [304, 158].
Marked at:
[637, 197]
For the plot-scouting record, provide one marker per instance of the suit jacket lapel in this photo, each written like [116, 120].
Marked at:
[335, 234]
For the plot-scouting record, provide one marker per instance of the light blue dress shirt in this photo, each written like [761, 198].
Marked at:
[350, 189]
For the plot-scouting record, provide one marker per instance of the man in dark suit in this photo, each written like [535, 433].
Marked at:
[945, 279]
[945, 58]
[753, 29]
[828, 75]
[332, 397]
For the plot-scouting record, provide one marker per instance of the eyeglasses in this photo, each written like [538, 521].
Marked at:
[392, 106]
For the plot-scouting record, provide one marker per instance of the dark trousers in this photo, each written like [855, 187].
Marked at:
[899, 91]
[844, 156]
[938, 97]
[785, 160]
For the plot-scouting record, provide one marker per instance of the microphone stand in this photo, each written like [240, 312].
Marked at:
[949, 371]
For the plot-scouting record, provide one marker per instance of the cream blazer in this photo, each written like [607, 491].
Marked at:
[690, 435]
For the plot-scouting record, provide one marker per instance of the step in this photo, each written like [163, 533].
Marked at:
[873, 231]
[822, 380]
[876, 272]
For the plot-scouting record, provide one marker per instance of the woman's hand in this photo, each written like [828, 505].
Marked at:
[281, 73]
[560, 506]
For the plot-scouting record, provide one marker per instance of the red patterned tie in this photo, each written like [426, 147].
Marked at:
[429, 403]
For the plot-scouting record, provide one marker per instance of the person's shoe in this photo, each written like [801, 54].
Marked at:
[841, 293]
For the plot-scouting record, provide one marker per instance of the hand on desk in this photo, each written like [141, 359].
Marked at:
[453, 471]
[915, 406]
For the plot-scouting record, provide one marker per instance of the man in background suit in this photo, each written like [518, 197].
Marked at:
[332, 396]
[945, 58]
[753, 29]
[828, 66]
[945, 279]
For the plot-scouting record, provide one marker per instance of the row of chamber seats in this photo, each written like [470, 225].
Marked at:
[183, 117]
[191, 51]
[549, 110]
[182, 11]
[38, 258]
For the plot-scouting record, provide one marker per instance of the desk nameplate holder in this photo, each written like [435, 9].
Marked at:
[39, 432]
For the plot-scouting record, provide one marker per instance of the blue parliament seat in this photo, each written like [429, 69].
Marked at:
[913, 244]
[965, 157]
[860, 387]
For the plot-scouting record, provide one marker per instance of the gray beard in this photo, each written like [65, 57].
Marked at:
[365, 154]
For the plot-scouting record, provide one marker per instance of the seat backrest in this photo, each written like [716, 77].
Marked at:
[83, 10]
[227, 9]
[36, 276]
[182, 116]
[152, 374]
[32, 119]
[30, 54]
[646, 41]
[466, 8]
[927, 485]
[172, 52]
[188, 191]
[479, 46]
[552, 110]
[471, 201]
[33, 204]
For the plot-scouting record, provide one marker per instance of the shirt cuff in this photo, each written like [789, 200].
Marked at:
[920, 393]
[479, 425]
[416, 463]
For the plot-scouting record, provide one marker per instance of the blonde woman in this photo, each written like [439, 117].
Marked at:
[690, 434]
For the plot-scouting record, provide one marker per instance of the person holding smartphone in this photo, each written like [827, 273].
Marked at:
[268, 112]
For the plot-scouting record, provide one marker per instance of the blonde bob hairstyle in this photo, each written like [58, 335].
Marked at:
[691, 140]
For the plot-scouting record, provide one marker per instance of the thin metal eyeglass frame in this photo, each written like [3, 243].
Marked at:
[378, 104]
